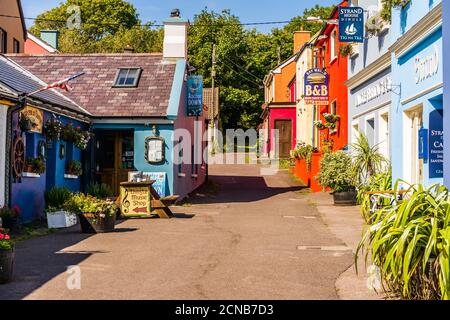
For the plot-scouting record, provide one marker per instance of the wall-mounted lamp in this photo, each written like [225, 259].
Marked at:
[62, 151]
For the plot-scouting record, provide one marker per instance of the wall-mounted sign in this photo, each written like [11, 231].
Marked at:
[194, 96]
[351, 24]
[426, 67]
[36, 116]
[135, 199]
[155, 150]
[374, 92]
[423, 144]
[316, 87]
[436, 144]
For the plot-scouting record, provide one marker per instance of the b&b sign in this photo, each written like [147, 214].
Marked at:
[351, 24]
[316, 87]
[194, 96]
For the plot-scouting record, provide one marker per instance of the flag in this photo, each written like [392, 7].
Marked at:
[62, 84]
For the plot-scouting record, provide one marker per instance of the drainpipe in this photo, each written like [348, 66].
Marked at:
[9, 135]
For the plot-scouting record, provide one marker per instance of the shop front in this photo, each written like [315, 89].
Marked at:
[417, 106]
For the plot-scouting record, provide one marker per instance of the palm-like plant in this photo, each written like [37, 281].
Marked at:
[367, 160]
[410, 243]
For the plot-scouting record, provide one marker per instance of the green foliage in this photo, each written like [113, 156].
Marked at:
[368, 160]
[386, 11]
[410, 243]
[304, 151]
[74, 167]
[99, 190]
[80, 203]
[9, 213]
[336, 172]
[36, 165]
[55, 198]
[378, 182]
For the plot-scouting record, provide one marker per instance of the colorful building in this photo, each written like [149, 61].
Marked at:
[446, 54]
[417, 92]
[370, 83]
[36, 45]
[279, 110]
[13, 31]
[137, 103]
[19, 186]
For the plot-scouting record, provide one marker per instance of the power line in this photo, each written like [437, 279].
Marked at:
[243, 77]
[243, 69]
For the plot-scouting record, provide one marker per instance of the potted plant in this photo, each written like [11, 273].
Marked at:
[26, 123]
[54, 202]
[35, 165]
[74, 168]
[319, 125]
[10, 217]
[336, 173]
[53, 129]
[79, 137]
[96, 216]
[346, 50]
[331, 118]
[6, 257]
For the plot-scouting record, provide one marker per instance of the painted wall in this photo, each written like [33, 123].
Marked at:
[446, 57]
[13, 27]
[304, 111]
[427, 92]
[32, 47]
[3, 113]
[283, 113]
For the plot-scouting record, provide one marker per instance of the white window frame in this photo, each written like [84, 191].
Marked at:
[333, 48]
[136, 80]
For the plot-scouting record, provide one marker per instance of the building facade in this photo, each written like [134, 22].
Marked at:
[370, 84]
[446, 52]
[13, 31]
[417, 100]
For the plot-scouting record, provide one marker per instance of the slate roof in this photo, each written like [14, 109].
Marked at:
[19, 80]
[94, 90]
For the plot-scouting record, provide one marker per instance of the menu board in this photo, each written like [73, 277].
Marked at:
[154, 150]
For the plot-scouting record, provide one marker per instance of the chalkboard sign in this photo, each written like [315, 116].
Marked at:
[135, 199]
[436, 144]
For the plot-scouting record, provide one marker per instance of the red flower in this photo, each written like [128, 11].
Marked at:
[17, 210]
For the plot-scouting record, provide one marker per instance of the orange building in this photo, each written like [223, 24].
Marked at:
[13, 31]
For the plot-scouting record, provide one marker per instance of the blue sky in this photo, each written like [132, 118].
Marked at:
[246, 10]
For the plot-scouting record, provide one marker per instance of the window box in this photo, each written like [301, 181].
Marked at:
[70, 176]
[30, 175]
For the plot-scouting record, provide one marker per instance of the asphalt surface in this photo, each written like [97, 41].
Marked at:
[257, 238]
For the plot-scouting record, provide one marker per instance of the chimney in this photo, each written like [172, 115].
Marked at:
[51, 37]
[128, 49]
[300, 38]
[175, 36]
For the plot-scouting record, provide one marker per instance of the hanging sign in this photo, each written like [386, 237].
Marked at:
[194, 96]
[436, 145]
[35, 116]
[316, 87]
[351, 24]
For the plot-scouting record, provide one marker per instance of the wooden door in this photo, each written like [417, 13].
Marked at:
[114, 157]
[284, 128]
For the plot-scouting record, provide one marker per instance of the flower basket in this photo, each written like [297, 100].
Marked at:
[319, 125]
[6, 265]
[53, 129]
[331, 118]
[94, 223]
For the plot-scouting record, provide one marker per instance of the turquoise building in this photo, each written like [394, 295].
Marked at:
[416, 116]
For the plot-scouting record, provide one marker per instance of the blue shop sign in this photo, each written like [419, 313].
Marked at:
[316, 87]
[194, 96]
[436, 144]
[423, 144]
[351, 24]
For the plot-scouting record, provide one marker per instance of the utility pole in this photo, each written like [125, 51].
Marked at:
[213, 99]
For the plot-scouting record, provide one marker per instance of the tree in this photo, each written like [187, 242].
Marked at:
[106, 26]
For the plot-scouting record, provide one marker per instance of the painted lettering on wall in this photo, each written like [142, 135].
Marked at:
[426, 67]
[374, 92]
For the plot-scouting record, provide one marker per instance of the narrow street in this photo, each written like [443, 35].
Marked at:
[258, 238]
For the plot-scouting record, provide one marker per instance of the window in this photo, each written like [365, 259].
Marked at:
[3, 41]
[333, 43]
[16, 46]
[127, 77]
[333, 107]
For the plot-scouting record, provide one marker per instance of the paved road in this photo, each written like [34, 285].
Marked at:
[241, 244]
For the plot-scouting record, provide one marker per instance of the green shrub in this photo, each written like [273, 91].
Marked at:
[336, 172]
[55, 198]
[80, 203]
[99, 190]
[410, 243]
[379, 182]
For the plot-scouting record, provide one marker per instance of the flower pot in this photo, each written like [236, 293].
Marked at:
[26, 125]
[345, 198]
[61, 219]
[10, 223]
[6, 265]
[92, 223]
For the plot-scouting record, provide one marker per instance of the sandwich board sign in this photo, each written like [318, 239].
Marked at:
[351, 24]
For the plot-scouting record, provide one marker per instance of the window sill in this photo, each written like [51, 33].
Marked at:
[181, 175]
[30, 175]
[70, 176]
[194, 176]
[333, 60]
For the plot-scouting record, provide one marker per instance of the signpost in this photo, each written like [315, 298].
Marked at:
[351, 24]
[194, 96]
[436, 144]
[316, 86]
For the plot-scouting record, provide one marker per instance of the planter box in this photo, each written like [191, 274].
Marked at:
[61, 219]
[30, 175]
[6, 265]
[90, 223]
[345, 198]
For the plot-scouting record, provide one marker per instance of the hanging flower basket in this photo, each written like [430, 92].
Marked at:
[53, 129]
[331, 118]
[26, 123]
[320, 125]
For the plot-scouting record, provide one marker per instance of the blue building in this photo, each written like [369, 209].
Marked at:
[19, 186]
[417, 92]
[446, 40]
[370, 82]
[138, 109]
